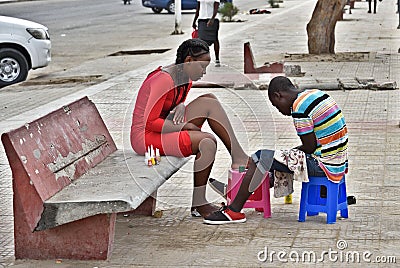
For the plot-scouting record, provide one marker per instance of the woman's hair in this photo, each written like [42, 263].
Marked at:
[191, 47]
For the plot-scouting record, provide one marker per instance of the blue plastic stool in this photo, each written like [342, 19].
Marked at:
[312, 203]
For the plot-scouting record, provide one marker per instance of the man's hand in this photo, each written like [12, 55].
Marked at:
[194, 25]
[210, 22]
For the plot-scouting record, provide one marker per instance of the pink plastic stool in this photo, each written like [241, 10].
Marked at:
[259, 200]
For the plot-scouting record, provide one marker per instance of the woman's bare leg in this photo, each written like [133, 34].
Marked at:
[207, 107]
[204, 146]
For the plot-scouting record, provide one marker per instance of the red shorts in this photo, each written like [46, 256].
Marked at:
[175, 143]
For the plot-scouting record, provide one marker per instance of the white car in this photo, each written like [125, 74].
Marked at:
[24, 45]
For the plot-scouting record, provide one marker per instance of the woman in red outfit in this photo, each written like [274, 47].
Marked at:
[161, 119]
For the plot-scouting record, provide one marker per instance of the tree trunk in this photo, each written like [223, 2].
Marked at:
[321, 28]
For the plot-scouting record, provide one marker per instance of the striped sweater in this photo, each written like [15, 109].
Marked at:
[315, 111]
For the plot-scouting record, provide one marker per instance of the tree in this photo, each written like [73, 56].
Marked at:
[321, 27]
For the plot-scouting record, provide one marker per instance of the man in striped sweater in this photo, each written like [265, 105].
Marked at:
[319, 123]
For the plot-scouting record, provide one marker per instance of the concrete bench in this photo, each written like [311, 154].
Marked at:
[69, 181]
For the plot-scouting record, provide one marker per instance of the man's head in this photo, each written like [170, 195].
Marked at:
[282, 93]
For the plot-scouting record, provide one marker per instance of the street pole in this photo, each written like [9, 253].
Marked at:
[178, 17]
[398, 11]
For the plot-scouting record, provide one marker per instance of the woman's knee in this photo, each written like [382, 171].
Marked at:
[204, 142]
[206, 150]
[209, 96]
[210, 139]
[208, 143]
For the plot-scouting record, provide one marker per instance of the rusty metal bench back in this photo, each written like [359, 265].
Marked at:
[49, 153]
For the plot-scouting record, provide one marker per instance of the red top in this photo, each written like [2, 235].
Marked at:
[153, 104]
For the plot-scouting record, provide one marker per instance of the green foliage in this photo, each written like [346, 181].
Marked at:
[228, 11]
[273, 3]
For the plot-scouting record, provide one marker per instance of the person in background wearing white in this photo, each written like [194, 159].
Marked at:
[208, 24]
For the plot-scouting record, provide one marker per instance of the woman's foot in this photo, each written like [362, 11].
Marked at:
[204, 210]
[244, 162]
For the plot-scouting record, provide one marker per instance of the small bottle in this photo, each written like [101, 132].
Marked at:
[152, 155]
[148, 158]
[288, 199]
[158, 156]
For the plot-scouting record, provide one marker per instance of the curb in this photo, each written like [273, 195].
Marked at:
[13, 1]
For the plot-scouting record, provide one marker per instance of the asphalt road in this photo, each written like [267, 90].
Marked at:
[83, 30]
[84, 33]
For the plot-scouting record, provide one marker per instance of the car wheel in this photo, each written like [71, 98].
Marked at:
[13, 67]
[156, 10]
[171, 7]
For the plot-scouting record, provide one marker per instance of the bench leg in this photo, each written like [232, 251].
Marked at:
[147, 208]
[87, 239]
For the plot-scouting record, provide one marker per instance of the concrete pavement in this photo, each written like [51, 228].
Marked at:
[367, 46]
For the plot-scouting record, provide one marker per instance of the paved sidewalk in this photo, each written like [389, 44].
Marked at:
[369, 46]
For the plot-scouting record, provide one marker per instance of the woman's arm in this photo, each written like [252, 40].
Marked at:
[194, 25]
[216, 7]
[211, 21]
[159, 87]
[175, 121]
[169, 126]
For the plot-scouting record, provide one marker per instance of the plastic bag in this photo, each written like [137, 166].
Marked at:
[195, 33]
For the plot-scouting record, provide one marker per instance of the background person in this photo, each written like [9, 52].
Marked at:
[369, 5]
[160, 118]
[208, 24]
